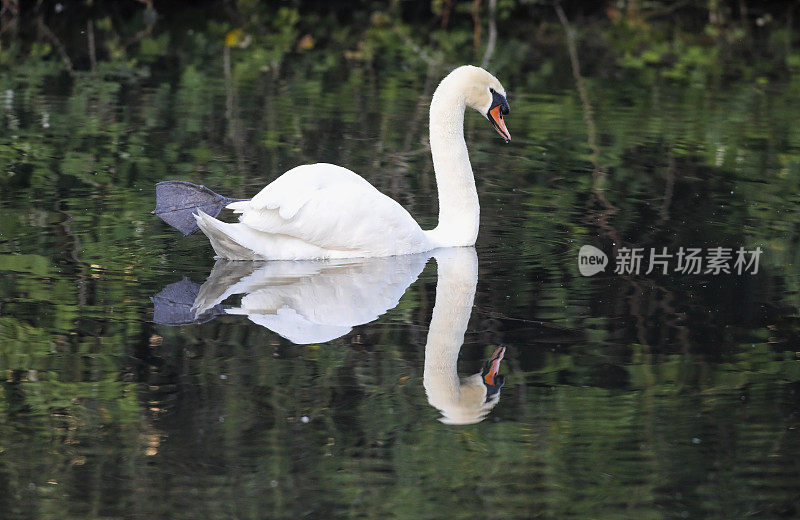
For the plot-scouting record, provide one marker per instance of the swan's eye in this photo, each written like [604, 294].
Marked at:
[499, 100]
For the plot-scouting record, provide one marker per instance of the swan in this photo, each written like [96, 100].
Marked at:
[324, 211]
[315, 301]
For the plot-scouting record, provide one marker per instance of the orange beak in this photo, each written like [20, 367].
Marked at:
[497, 120]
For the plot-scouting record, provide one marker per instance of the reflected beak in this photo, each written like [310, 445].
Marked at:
[496, 117]
[493, 366]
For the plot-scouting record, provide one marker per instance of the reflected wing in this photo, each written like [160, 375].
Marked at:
[312, 301]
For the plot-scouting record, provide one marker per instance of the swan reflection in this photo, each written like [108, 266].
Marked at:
[318, 301]
[310, 301]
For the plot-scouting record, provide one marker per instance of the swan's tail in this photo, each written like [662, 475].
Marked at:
[222, 237]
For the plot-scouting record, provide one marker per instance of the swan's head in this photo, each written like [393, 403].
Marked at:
[475, 396]
[484, 93]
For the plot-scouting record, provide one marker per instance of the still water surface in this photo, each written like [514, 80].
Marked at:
[142, 380]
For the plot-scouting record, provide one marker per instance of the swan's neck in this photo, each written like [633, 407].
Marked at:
[455, 291]
[459, 213]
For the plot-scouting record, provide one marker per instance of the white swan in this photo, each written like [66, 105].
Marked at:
[326, 211]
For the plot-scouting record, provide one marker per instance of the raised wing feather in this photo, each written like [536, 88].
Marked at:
[333, 208]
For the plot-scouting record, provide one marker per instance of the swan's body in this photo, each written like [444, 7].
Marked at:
[316, 211]
[326, 211]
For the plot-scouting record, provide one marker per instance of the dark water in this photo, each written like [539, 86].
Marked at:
[626, 396]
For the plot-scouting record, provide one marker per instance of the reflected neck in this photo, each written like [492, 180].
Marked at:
[459, 212]
[455, 292]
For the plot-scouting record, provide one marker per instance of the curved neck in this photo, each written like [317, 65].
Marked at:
[455, 292]
[459, 212]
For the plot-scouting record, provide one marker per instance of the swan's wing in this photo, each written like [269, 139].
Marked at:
[332, 208]
[289, 192]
